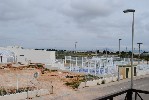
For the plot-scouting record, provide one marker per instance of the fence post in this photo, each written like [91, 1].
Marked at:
[51, 89]
[129, 94]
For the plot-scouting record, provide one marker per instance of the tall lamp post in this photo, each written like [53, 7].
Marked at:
[76, 46]
[127, 11]
[139, 52]
[120, 57]
[119, 47]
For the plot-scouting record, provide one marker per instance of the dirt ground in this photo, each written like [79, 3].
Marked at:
[13, 78]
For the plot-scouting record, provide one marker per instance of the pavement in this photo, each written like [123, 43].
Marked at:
[90, 93]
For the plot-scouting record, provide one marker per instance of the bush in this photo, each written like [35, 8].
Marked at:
[53, 70]
[98, 84]
[3, 92]
[39, 66]
[73, 84]
[103, 82]
[46, 69]
[91, 77]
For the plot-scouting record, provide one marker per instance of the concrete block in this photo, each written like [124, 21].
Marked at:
[95, 81]
[82, 85]
[106, 80]
[121, 77]
[110, 79]
[91, 83]
[114, 79]
[99, 81]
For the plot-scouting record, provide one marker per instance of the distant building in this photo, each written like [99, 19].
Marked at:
[145, 54]
[125, 70]
[6, 56]
[25, 56]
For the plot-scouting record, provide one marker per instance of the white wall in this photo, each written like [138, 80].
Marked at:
[6, 55]
[23, 95]
[35, 56]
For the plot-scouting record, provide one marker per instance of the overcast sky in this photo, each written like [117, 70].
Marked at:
[94, 24]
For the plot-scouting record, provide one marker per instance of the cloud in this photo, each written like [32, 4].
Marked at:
[88, 9]
[59, 23]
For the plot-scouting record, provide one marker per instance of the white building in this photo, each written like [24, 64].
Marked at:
[6, 56]
[26, 56]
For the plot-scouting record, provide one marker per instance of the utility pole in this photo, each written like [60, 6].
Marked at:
[119, 47]
[120, 59]
[139, 53]
[76, 46]
[131, 11]
[126, 52]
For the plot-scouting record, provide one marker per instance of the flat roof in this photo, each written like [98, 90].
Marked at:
[126, 65]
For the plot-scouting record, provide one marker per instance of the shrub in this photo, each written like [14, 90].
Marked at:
[3, 92]
[73, 84]
[53, 70]
[98, 84]
[39, 66]
[92, 77]
[103, 82]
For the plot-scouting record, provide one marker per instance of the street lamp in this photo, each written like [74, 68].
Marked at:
[127, 11]
[120, 57]
[139, 52]
[119, 47]
[126, 52]
[76, 46]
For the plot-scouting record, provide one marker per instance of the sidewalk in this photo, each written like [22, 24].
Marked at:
[121, 81]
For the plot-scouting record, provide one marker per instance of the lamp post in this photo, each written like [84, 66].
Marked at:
[127, 11]
[126, 52]
[120, 57]
[119, 47]
[139, 52]
[76, 46]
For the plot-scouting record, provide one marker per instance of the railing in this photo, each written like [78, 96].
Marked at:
[129, 94]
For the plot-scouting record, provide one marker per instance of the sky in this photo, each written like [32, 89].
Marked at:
[93, 24]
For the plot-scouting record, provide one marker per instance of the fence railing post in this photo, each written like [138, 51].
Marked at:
[129, 94]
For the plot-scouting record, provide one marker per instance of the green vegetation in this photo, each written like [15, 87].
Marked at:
[39, 65]
[62, 53]
[3, 92]
[73, 84]
[91, 77]
[53, 70]
[46, 69]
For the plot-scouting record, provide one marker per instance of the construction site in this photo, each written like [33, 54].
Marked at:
[34, 77]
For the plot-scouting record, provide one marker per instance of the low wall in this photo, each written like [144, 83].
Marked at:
[91, 83]
[99, 81]
[24, 95]
[139, 73]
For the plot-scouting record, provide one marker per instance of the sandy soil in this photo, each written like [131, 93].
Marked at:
[11, 78]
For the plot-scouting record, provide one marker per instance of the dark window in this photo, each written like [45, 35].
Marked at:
[21, 55]
[127, 71]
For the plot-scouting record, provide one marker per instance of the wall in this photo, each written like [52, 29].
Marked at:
[122, 71]
[24, 95]
[35, 56]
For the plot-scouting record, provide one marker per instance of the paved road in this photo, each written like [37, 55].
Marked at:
[91, 93]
